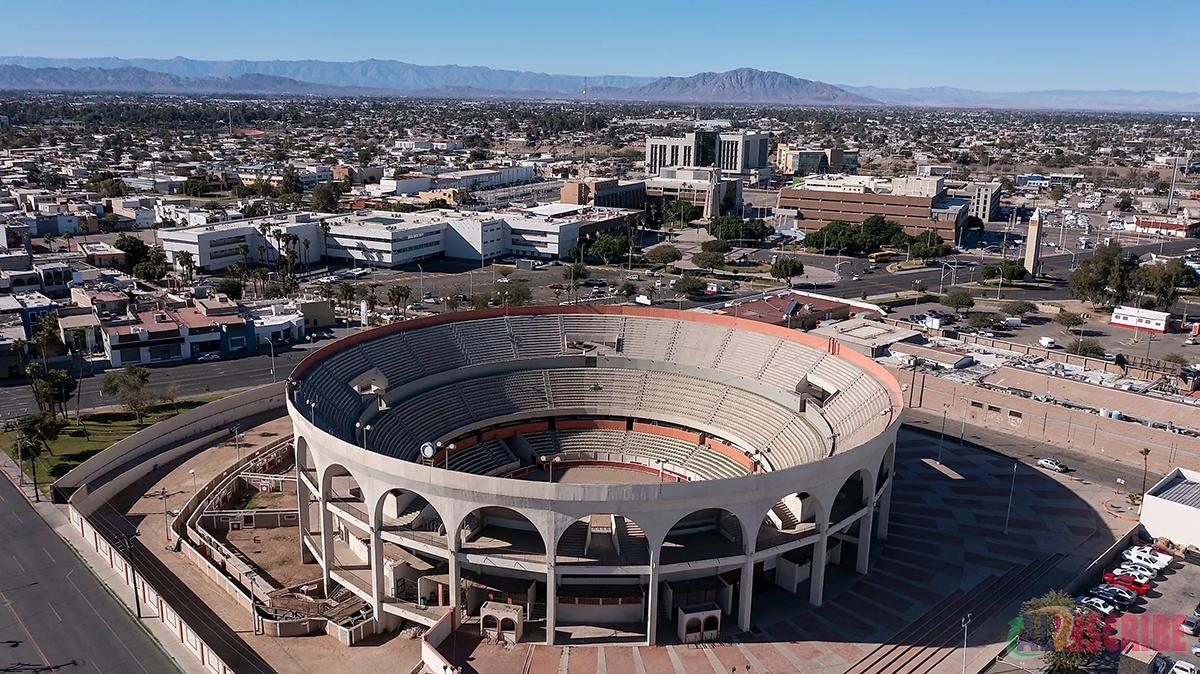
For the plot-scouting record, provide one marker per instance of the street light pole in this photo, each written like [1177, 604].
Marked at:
[1012, 488]
[965, 621]
[166, 521]
[942, 441]
[193, 472]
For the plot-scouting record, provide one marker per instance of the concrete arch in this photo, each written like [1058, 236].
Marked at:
[792, 514]
[586, 538]
[413, 509]
[704, 533]
[853, 493]
[485, 516]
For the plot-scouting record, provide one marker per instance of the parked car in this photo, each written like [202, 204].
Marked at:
[1148, 556]
[1190, 625]
[1051, 463]
[1119, 601]
[1096, 604]
[1195, 649]
[555, 286]
[1182, 667]
[595, 283]
[322, 334]
[416, 306]
[208, 357]
[632, 277]
[1190, 341]
[502, 279]
[1128, 582]
[1124, 593]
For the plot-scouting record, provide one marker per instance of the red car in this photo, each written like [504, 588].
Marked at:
[1127, 582]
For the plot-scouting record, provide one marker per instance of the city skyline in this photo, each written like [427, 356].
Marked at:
[1030, 47]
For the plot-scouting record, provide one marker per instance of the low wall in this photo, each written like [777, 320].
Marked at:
[149, 443]
[151, 600]
[1045, 422]
[434, 661]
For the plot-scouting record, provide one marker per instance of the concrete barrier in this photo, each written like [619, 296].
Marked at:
[430, 655]
[150, 442]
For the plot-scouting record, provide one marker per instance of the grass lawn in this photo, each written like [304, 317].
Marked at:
[99, 430]
[252, 499]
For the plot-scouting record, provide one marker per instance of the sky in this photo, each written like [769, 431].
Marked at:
[1015, 45]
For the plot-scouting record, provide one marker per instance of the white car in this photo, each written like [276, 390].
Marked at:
[1137, 574]
[856, 277]
[1182, 667]
[1123, 593]
[1147, 557]
[1195, 649]
[1190, 625]
[1051, 463]
[1097, 604]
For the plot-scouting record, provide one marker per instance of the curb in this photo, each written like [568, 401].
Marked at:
[1114, 514]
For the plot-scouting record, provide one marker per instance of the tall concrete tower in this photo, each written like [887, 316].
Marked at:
[1033, 244]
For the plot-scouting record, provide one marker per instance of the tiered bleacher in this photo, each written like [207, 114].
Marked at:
[856, 407]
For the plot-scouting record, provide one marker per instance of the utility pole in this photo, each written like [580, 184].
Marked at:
[166, 522]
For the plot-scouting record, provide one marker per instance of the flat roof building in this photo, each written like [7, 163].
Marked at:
[916, 204]
[805, 161]
[740, 154]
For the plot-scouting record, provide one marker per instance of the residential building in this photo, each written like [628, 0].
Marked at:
[215, 325]
[104, 303]
[738, 154]
[104, 256]
[607, 192]
[148, 337]
[406, 184]
[917, 204]
[803, 162]
[55, 278]
[33, 306]
[984, 198]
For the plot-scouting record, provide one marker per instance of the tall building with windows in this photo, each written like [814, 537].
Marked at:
[805, 162]
[738, 154]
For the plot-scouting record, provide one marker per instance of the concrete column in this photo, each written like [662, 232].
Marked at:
[652, 600]
[455, 579]
[302, 497]
[326, 539]
[816, 590]
[864, 538]
[377, 575]
[885, 511]
[551, 600]
[746, 594]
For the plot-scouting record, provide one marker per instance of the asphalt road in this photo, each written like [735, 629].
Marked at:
[55, 616]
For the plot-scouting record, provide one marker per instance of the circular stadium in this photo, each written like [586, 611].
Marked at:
[574, 474]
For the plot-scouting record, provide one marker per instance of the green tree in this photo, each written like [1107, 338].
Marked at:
[735, 228]
[231, 287]
[1013, 270]
[1018, 307]
[1164, 279]
[187, 263]
[663, 254]
[787, 268]
[512, 294]
[1089, 348]
[289, 182]
[989, 272]
[576, 271]
[690, 284]
[609, 248]
[1070, 320]
[42, 428]
[628, 290]
[1124, 202]
[134, 248]
[681, 212]
[1176, 358]
[957, 300]
[129, 386]
[398, 297]
[716, 246]
[709, 260]
[325, 198]
[255, 210]
[480, 301]
[194, 187]
[982, 320]
[1056, 192]
[438, 203]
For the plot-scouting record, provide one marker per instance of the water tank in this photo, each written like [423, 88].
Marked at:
[1116, 414]
[1104, 412]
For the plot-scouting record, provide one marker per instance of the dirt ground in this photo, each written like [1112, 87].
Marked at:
[276, 552]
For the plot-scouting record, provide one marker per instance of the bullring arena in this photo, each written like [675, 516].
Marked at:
[542, 489]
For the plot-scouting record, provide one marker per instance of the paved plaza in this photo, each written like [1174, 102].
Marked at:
[946, 556]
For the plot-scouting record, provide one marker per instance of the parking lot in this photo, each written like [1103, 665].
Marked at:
[1114, 339]
[1154, 619]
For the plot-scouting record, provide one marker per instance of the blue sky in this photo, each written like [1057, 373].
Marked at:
[979, 44]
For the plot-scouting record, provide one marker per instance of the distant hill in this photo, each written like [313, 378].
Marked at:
[371, 73]
[137, 80]
[1117, 100]
[744, 85]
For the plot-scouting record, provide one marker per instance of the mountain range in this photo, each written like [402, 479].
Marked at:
[395, 78]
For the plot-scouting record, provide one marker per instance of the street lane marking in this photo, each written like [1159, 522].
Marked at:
[19, 564]
[110, 629]
[49, 555]
[56, 615]
[24, 629]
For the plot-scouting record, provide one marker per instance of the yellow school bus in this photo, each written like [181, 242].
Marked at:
[879, 257]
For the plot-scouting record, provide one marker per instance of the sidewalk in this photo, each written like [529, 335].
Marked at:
[57, 518]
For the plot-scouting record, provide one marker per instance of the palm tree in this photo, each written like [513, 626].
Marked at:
[261, 276]
[79, 337]
[404, 292]
[244, 251]
[394, 299]
[186, 262]
[48, 242]
[347, 293]
[325, 227]
[237, 270]
[262, 253]
[66, 237]
[1145, 469]
[650, 290]
[306, 244]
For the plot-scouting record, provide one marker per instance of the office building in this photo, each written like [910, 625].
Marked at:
[804, 162]
[738, 154]
[706, 188]
[917, 204]
[984, 199]
[607, 192]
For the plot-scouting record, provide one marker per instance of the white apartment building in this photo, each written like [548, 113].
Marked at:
[216, 246]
